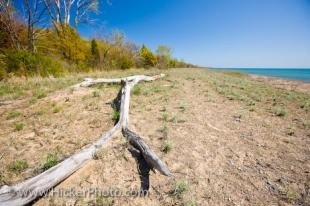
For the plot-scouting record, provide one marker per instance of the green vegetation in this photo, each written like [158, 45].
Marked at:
[19, 126]
[96, 93]
[56, 109]
[31, 50]
[165, 116]
[115, 116]
[136, 90]
[12, 115]
[51, 160]
[280, 112]
[167, 147]
[180, 187]
[18, 166]
[238, 87]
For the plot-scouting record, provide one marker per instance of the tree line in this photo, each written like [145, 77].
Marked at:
[39, 37]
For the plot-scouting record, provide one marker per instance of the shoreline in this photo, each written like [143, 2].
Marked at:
[283, 83]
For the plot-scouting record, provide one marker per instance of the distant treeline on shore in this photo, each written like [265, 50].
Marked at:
[41, 39]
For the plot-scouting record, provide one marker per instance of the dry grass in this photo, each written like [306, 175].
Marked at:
[228, 145]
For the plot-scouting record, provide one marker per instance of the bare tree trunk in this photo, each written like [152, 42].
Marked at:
[29, 190]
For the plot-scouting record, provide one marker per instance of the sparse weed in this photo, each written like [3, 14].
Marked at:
[19, 126]
[115, 116]
[40, 94]
[180, 187]
[18, 166]
[167, 147]
[96, 93]
[12, 115]
[56, 109]
[136, 90]
[280, 112]
[51, 160]
[164, 131]
[165, 116]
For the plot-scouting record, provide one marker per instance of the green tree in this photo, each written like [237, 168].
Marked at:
[164, 56]
[148, 58]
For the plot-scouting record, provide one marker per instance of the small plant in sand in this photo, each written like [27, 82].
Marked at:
[136, 90]
[306, 124]
[12, 115]
[115, 116]
[99, 154]
[56, 109]
[167, 147]
[19, 126]
[18, 166]
[51, 160]
[180, 187]
[164, 130]
[40, 94]
[165, 116]
[280, 112]
[96, 93]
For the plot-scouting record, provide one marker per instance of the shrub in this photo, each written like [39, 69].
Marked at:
[148, 58]
[18, 166]
[28, 64]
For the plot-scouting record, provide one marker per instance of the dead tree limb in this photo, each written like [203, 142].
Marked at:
[29, 190]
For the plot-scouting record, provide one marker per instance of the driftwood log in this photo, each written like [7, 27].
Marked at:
[35, 187]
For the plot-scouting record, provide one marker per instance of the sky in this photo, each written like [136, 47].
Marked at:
[216, 33]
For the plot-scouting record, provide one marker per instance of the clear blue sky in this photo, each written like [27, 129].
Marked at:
[218, 33]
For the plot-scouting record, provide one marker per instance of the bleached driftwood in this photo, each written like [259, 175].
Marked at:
[29, 190]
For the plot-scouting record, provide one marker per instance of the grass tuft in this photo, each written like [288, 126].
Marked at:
[96, 94]
[280, 112]
[18, 166]
[179, 188]
[12, 115]
[136, 90]
[115, 116]
[51, 160]
[19, 126]
[167, 147]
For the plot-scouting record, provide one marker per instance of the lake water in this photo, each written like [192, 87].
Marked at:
[287, 73]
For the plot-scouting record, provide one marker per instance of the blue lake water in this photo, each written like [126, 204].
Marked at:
[286, 73]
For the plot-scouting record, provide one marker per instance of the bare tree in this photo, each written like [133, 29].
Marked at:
[61, 11]
[34, 14]
[9, 24]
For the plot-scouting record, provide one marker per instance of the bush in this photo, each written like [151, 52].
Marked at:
[24, 63]
[148, 58]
